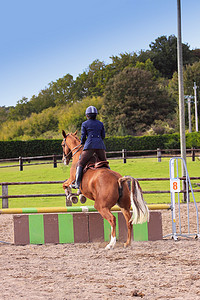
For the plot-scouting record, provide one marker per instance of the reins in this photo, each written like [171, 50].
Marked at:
[71, 151]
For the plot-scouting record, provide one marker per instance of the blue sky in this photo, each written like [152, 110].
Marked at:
[42, 40]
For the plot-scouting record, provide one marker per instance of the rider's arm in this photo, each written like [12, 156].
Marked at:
[83, 134]
[102, 132]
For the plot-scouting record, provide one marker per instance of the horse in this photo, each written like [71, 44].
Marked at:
[107, 188]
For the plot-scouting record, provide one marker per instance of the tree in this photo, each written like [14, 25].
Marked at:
[4, 114]
[133, 101]
[163, 53]
[148, 66]
[191, 74]
[91, 82]
[21, 111]
[72, 117]
[45, 121]
[124, 60]
[63, 89]
[196, 54]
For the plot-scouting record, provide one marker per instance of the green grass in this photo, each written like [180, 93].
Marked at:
[137, 168]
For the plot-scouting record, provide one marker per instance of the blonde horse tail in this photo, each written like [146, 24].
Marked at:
[140, 209]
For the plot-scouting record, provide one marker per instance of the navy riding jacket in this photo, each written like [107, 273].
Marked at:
[94, 131]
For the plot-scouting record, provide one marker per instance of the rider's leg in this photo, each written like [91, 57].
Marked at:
[84, 158]
[79, 174]
[101, 153]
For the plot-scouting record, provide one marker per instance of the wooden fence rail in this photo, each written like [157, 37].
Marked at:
[124, 155]
[5, 196]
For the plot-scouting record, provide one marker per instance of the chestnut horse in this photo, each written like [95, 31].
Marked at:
[107, 188]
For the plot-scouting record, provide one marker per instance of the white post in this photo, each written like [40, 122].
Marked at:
[181, 93]
[172, 174]
[195, 102]
[189, 114]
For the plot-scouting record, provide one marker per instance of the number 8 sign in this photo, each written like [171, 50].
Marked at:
[175, 185]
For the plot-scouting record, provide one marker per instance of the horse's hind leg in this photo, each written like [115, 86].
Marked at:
[106, 214]
[127, 216]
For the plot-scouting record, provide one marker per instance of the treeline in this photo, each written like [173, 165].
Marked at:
[137, 93]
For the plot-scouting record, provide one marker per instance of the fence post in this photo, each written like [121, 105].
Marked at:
[54, 161]
[4, 193]
[124, 155]
[193, 154]
[159, 154]
[20, 163]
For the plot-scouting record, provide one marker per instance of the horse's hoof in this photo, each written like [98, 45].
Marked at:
[82, 198]
[126, 245]
[74, 199]
[68, 201]
[108, 247]
[112, 243]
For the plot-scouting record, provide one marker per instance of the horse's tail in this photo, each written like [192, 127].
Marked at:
[140, 209]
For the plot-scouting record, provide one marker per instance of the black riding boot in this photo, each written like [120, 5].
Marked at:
[79, 173]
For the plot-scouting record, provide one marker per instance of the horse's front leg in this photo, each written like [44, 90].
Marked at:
[106, 214]
[112, 243]
[66, 186]
[68, 193]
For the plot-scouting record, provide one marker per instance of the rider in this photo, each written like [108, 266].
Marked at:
[93, 130]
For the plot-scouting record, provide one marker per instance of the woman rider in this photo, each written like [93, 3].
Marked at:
[93, 130]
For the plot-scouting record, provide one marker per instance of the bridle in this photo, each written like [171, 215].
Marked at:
[70, 154]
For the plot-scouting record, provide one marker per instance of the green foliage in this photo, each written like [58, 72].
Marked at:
[63, 89]
[50, 122]
[148, 66]
[39, 123]
[14, 149]
[193, 140]
[135, 100]
[162, 127]
[191, 75]
[4, 111]
[136, 117]
[72, 117]
[21, 111]
[131, 143]
[163, 53]
[32, 127]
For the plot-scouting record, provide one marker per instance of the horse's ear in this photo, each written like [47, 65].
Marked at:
[64, 134]
[75, 133]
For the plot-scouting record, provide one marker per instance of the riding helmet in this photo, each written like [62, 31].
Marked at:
[91, 110]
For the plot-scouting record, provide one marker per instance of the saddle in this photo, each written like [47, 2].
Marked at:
[96, 165]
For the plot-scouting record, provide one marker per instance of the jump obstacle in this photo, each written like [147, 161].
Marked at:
[80, 228]
[76, 224]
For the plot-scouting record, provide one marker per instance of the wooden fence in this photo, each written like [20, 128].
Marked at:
[123, 154]
[5, 196]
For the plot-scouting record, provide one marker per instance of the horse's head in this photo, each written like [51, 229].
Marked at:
[67, 146]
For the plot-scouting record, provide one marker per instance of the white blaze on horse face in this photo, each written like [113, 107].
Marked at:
[64, 161]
